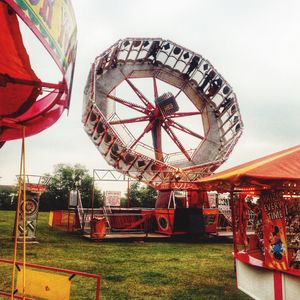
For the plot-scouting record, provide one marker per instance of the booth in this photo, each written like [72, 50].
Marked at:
[267, 255]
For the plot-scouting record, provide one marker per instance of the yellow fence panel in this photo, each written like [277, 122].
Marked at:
[50, 222]
[44, 285]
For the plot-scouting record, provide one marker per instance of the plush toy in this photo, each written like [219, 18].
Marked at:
[295, 262]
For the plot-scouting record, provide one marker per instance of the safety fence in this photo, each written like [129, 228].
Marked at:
[66, 220]
[137, 222]
[43, 282]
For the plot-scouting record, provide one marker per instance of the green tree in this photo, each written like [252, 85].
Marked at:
[8, 196]
[148, 196]
[67, 178]
[142, 195]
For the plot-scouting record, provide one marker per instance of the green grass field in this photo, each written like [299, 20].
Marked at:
[129, 270]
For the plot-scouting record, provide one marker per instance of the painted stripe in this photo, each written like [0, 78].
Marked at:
[278, 286]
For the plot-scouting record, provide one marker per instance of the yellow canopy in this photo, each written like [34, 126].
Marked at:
[279, 166]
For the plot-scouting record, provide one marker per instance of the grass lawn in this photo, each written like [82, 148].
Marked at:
[129, 270]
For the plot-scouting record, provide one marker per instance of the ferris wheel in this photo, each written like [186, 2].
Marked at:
[159, 112]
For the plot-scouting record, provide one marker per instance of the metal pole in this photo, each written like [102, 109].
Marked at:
[233, 216]
[128, 192]
[235, 249]
[93, 195]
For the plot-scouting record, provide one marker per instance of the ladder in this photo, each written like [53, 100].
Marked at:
[80, 210]
[106, 213]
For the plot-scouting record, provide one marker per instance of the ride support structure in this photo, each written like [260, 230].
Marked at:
[194, 94]
[162, 114]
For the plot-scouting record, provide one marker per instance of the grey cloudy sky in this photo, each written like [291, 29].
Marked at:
[254, 44]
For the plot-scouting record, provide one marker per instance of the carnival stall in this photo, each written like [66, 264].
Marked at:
[267, 255]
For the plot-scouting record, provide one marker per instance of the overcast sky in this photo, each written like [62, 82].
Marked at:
[254, 44]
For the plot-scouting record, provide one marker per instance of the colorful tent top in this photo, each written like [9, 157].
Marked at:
[26, 101]
[278, 167]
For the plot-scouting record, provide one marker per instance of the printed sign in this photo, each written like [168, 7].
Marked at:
[112, 198]
[36, 188]
[212, 199]
[275, 244]
[31, 210]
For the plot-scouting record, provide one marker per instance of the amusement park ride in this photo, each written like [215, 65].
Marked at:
[147, 98]
[28, 106]
[160, 114]
[26, 101]
[265, 190]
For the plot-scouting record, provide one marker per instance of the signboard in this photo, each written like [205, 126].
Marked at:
[35, 188]
[53, 22]
[31, 210]
[112, 198]
[275, 244]
[212, 199]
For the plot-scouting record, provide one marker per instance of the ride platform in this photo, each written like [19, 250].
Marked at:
[128, 236]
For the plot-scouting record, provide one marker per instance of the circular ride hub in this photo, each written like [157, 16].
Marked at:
[146, 98]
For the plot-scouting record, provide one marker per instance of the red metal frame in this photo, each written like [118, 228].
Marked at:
[132, 120]
[156, 121]
[146, 102]
[183, 128]
[134, 106]
[7, 79]
[163, 109]
[173, 136]
[97, 277]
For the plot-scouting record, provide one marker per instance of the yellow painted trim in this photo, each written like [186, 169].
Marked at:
[243, 170]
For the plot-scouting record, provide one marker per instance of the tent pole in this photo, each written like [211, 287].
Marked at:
[233, 217]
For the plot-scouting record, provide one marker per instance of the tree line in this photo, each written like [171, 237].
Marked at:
[66, 178]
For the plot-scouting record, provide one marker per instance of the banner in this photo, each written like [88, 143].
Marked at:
[241, 213]
[112, 198]
[275, 244]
